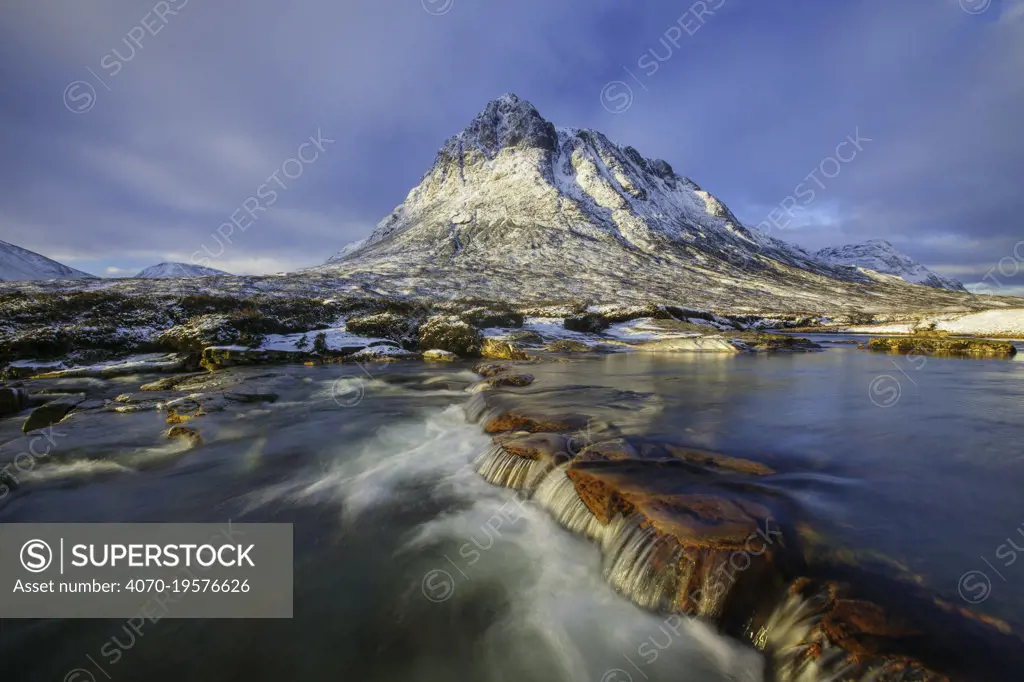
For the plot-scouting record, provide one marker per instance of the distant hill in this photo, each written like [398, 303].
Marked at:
[173, 270]
[880, 256]
[18, 264]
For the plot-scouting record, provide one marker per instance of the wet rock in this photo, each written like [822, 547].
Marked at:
[13, 400]
[552, 448]
[184, 409]
[510, 380]
[527, 338]
[169, 383]
[250, 396]
[490, 369]
[616, 449]
[42, 397]
[776, 343]
[218, 357]
[187, 433]
[716, 461]
[50, 413]
[513, 420]
[438, 355]
[568, 346]
[496, 349]
[449, 333]
[715, 553]
[942, 346]
[125, 367]
[827, 633]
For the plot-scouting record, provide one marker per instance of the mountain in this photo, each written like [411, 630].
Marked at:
[880, 256]
[174, 270]
[18, 264]
[516, 208]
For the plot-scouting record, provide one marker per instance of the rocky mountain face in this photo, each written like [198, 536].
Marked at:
[18, 264]
[516, 208]
[880, 256]
[172, 270]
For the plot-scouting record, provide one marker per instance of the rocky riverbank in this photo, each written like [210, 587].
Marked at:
[936, 345]
[106, 333]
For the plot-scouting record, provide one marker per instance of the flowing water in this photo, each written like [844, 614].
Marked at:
[410, 566]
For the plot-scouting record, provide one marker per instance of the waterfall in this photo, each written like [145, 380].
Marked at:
[640, 563]
[557, 494]
[502, 468]
[788, 634]
[476, 408]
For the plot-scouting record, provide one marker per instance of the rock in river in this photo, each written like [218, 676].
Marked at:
[50, 413]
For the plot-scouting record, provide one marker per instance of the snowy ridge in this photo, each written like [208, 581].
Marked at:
[514, 207]
[18, 264]
[172, 270]
[880, 256]
[511, 181]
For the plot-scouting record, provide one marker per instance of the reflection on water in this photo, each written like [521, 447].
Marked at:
[409, 566]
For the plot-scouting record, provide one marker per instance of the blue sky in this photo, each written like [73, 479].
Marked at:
[113, 161]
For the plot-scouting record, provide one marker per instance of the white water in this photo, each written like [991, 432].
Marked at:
[563, 621]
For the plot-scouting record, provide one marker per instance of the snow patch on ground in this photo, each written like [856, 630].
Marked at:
[1009, 322]
[336, 338]
[645, 329]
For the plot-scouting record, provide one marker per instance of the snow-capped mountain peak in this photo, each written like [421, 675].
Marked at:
[18, 264]
[175, 270]
[515, 207]
[881, 256]
[512, 175]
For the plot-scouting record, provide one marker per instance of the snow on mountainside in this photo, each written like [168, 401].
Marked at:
[515, 207]
[880, 256]
[18, 264]
[171, 270]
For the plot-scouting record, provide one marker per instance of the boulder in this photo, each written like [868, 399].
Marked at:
[496, 316]
[449, 333]
[590, 323]
[50, 413]
[217, 357]
[510, 380]
[187, 433]
[526, 337]
[496, 349]
[386, 325]
[490, 369]
[438, 355]
[776, 343]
